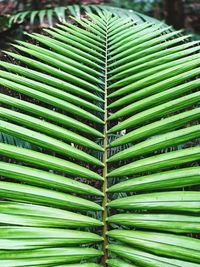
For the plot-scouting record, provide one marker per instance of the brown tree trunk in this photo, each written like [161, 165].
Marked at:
[174, 13]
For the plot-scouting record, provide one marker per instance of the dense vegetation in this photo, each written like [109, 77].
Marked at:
[100, 121]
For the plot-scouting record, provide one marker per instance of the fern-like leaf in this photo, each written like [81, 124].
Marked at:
[115, 120]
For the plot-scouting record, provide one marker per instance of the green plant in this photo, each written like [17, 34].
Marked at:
[61, 13]
[110, 81]
[4, 21]
[139, 5]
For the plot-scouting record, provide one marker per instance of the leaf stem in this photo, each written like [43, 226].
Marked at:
[105, 155]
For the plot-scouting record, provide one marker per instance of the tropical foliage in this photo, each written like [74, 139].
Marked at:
[111, 113]
[61, 13]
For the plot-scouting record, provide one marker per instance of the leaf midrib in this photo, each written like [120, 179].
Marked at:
[105, 155]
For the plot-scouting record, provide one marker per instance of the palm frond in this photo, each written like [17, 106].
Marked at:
[114, 113]
[61, 13]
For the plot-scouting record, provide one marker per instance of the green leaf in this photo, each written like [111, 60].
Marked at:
[45, 179]
[16, 213]
[13, 238]
[180, 247]
[162, 222]
[48, 128]
[147, 259]
[174, 201]
[111, 102]
[47, 256]
[31, 194]
[119, 263]
[46, 161]
[161, 161]
[158, 142]
[158, 181]
[167, 124]
[46, 142]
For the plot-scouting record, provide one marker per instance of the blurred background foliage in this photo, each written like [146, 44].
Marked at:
[179, 13]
